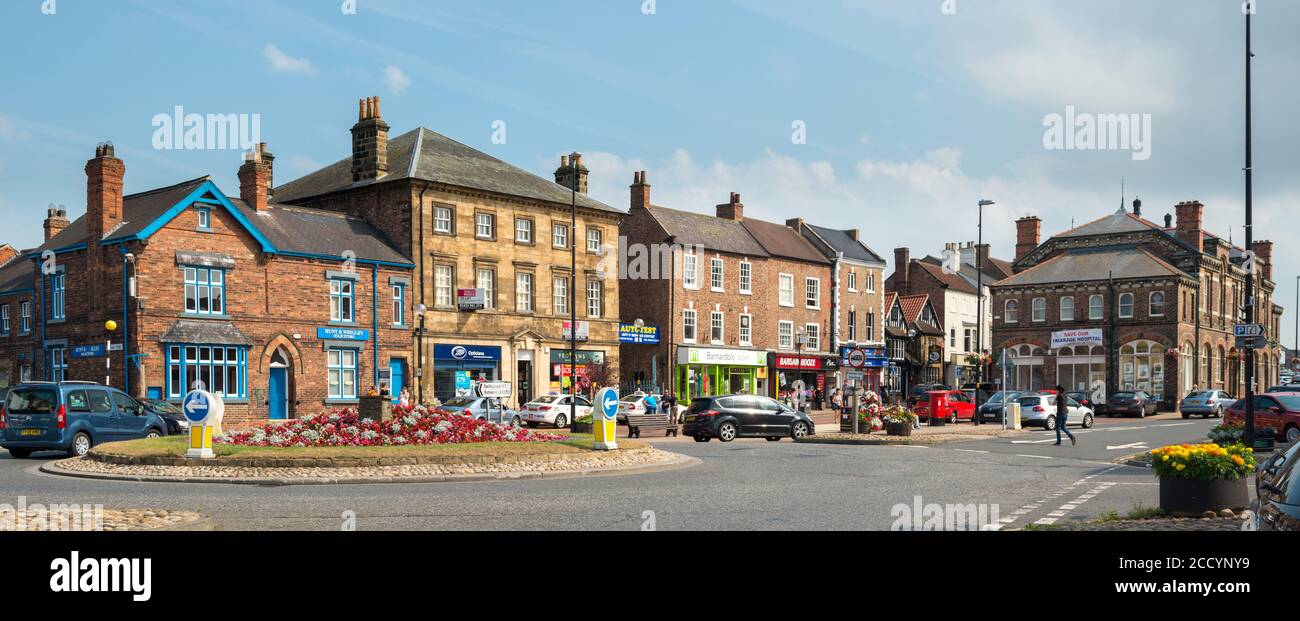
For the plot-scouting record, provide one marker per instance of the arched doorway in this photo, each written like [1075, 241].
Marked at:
[279, 373]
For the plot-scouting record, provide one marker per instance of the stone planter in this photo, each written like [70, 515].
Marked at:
[898, 429]
[581, 428]
[1193, 497]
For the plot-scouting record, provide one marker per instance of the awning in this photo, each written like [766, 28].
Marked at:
[199, 332]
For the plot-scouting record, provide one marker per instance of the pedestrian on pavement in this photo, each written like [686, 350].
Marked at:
[651, 405]
[1062, 417]
[405, 399]
[670, 405]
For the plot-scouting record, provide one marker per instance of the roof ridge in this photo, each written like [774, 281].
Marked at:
[170, 187]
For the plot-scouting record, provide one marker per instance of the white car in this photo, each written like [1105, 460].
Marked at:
[482, 408]
[1040, 411]
[635, 404]
[558, 410]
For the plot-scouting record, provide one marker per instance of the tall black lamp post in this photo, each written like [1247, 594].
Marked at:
[979, 322]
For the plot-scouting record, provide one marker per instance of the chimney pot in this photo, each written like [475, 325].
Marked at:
[1029, 233]
[733, 209]
[369, 143]
[640, 191]
[1190, 214]
[255, 179]
[902, 267]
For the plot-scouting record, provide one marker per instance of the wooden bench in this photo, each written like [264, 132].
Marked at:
[636, 423]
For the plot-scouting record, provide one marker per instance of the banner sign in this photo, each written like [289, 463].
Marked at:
[473, 353]
[638, 335]
[797, 362]
[342, 334]
[1069, 338]
[738, 357]
[584, 331]
[88, 351]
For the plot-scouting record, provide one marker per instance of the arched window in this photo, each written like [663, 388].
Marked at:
[1078, 368]
[1157, 304]
[1187, 362]
[1095, 308]
[1126, 306]
[1012, 313]
[1026, 372]
[1040, 309]
[1067, 308]
[1142, 367]
[1221, 369]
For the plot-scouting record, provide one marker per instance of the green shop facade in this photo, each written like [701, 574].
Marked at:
[706, 372]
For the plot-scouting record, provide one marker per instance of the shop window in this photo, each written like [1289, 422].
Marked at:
[222, 370]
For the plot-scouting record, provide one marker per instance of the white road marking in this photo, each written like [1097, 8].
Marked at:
[1135, 445]
[971, 451]
[1176, 425]
[1036, 456]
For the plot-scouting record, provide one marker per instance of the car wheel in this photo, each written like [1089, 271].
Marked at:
[1187, 416]
[952, 420]
[20, 453]
[80, 445]
[561, 421]
[516, 422]
[727, 431]
[1087, 421]
[153, 433]
[1218, 413]
[800, 430]
[1050, 423]
[1292, 434]
[702, 438]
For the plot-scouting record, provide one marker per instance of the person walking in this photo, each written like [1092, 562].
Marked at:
[670, 406]
[1062, 417]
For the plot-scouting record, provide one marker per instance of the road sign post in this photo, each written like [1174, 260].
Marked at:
[604, 420]
[204, 411]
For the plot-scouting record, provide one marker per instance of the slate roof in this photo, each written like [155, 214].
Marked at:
[138, 211]
[841, 241]
[714, 233]
[780, 240]
[1119, 222]
[1095, 264]
[955, 282]
[319, 232]
[426, 155]
[17, 275]
[206, 332]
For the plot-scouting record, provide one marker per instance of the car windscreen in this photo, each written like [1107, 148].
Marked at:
[32, 401]
[1290, 402]
[699, 405]
[458, 402]
[1123, 395]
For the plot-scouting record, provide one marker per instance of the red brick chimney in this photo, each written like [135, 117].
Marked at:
[572, 173]
[640, 191]
[1189, 223]
[1264, 258]
[856, 234]
[733, 209]
[1029, 233]
[56, 219]
[984, 255]
[902, 265]
[104, 176]
[255, 179]
[7, 253]
[369, 142]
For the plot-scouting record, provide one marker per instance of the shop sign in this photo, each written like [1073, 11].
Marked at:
[466, 353]
[88, 351]
[342, 334]
[562, 370]
[1070, 338]
[638, 335]
[798, 362]
[737, 357]
[584, 331]
[584, 357]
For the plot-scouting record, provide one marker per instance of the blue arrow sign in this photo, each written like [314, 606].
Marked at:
[608, 400]
[196, 407]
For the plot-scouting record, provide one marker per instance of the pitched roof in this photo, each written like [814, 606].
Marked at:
[697, 229]
[1095, 264]
[426, 155]
[17, 275]
[913, 305]
[1119, 222]
[841, 241]
[780, 240]
[318, 232]
[138, 212]
[954, 282]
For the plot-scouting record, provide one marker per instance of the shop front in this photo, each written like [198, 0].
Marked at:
[704, 372]
[587, 368]
[802, 373]
[865, 367]
[456, 368]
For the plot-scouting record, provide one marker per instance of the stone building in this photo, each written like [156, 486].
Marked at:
[1133, 306]
[742, 305]
[256, 300]
[492, 245]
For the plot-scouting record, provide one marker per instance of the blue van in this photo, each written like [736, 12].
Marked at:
[71, 417]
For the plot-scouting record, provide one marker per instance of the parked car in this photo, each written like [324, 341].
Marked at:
[737, 416]
[1083, 398]
[482, 408]
[71, 417]
[1283, 388]
[950, 405]
[991, 411]
[1207, 403]
[1132, 402]
[1277, 486]
[558, 410]
[1039, 410]
[919, 391]
[171, 414]
[1278, 411]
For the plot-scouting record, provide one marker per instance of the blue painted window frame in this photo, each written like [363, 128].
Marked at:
[203, 359]
[58, 311]
[399, 305]
[205, 218]
[58, 364]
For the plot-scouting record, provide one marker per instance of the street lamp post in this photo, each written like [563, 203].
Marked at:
[1250, 239]
[574, 160]
[421, 309]
[979, 322]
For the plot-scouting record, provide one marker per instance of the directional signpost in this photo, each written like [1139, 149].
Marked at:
[1248, 335]
[204, 410]
[604, 419]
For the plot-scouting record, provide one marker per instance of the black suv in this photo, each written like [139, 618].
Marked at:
[736, 416]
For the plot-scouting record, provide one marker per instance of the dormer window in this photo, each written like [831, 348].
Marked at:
[205, 219]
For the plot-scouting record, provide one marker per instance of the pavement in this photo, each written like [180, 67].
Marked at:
[749, 484]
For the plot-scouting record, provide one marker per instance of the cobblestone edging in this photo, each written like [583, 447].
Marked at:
[1156, 524]
[635, 461]
[99, 455]
[849, 439]
[111, 520]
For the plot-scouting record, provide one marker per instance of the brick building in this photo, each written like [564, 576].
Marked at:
[18, 351]
[1135, 306]
[742, 305]
[256, 300]
[492, 245]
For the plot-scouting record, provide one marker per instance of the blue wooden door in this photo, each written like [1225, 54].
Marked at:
[277, 394]
[397, 366]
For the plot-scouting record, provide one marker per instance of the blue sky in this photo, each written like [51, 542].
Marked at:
[912, 114]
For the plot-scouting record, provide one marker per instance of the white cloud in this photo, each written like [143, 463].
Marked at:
[396, 79]
[302, 163]
[284, 63]
[8, 129]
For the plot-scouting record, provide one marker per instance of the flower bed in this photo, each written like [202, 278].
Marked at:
[409, 426]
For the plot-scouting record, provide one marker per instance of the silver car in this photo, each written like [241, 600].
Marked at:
[483, 408]
[1040, 411]
[1207, 403]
